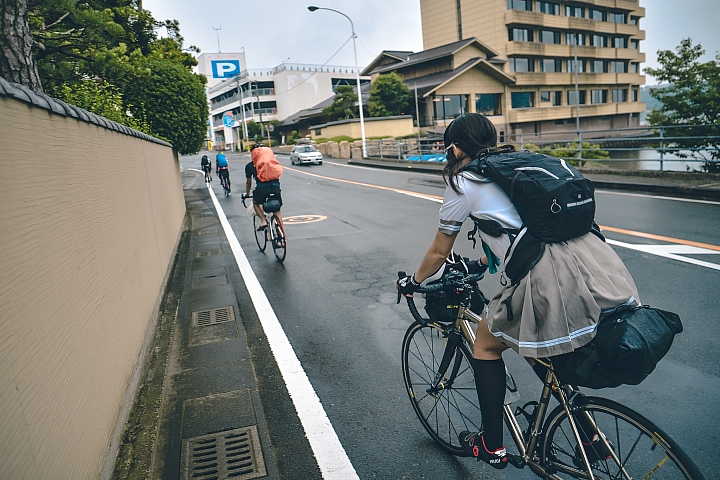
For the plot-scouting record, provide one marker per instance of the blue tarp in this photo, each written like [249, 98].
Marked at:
[432, 157]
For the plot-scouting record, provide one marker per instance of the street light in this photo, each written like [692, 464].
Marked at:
[357, 75]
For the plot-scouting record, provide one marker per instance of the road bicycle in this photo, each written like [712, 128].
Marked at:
[274, 232]
[208, 173]
[438, 375]
[225, 184]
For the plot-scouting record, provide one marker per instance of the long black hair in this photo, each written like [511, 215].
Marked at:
[474, 134]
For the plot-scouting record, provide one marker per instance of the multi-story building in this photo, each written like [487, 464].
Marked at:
[265, 95]
[514, 60]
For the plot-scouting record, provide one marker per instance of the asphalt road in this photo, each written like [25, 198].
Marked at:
[355, 227]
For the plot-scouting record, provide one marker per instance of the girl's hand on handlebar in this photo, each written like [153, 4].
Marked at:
[406, 285]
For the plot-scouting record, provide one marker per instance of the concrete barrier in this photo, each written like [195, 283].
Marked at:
[344, 149]
[90, 219]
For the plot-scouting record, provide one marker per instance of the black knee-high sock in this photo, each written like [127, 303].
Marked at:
[586, 429]
[490, 385]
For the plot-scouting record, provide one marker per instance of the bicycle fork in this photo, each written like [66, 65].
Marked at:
[451, 350]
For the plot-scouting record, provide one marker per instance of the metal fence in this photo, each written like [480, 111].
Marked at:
[679, 148]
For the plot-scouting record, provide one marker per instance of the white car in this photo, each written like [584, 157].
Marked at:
[305, 154]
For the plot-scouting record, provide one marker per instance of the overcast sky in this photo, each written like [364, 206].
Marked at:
[276, 31]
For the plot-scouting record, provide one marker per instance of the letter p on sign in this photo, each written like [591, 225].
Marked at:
[225, 68]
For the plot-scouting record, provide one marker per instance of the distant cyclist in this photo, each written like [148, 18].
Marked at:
[221, 168]
[263, 159]
[206, 167]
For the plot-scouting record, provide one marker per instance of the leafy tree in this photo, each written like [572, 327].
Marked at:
[692, 99]
[103, 99]
[253, 129]
[173, 100]
[344, 103]
[388, 96]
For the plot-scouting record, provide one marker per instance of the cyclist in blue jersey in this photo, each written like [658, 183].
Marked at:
[221, 168]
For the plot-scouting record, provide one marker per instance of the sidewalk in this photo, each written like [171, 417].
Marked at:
[705, 186]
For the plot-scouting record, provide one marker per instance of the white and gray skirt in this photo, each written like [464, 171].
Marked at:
[555, 308]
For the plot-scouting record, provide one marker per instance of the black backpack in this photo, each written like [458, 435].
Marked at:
[554, 200]
[627, 346]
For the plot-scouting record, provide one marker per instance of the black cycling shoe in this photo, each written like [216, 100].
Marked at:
[473, 444]
[595, 451]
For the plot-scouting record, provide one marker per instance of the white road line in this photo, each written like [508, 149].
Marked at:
[660, 252]
[329, 452]
[690, 200]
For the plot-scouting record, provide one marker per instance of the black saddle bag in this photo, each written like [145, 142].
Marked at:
[627, 346]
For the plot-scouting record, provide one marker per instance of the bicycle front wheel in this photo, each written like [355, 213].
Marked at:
[450, 406]
[278, 240]
[641, 448]
[260, 235]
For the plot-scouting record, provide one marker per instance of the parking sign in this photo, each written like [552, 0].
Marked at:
[225, 68]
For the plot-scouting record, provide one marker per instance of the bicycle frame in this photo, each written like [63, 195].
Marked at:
[527, 447]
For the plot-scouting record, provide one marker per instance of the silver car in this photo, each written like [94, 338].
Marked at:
[305, 154]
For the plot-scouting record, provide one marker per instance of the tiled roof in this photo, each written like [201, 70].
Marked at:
[24, 94]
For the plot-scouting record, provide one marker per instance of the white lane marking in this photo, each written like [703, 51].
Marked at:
[690, 200]
[329, 452]
[660, 252]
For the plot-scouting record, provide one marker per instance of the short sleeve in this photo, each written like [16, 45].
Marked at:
[455, 209]
[249, 170]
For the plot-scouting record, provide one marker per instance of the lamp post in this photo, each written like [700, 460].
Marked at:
[357, 76]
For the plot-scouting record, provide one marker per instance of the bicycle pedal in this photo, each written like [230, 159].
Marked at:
[516, 460]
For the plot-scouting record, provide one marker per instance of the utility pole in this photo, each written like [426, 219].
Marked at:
[577, 95]
[242, 107]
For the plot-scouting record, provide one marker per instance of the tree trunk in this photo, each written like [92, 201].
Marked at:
[17, 63]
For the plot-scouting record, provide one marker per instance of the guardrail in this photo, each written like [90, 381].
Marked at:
[683, 147]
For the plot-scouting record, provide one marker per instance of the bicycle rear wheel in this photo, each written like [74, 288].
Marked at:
[452, 406]
[644, 451]
[260, 236]
[278, 241]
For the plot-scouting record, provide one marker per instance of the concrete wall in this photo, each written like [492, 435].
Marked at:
[90, 216]
[374, 127]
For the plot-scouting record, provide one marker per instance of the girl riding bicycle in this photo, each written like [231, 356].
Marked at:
[552, 310]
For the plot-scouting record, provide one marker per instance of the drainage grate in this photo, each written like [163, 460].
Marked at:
[230, 454]
[208, 232]
[203, 215]
[209, 253]
[204, 318]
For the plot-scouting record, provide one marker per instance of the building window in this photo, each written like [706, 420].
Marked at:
[618, 18]
[634, 68]
[522, 99]
[522, 64]
[544, 97]
[550, 65]
[619, 42]
[635, 44]
[635, 95]
[519, 5]
[597, 15]
[598, 96]
[598, 40]
[571, 11]
[580, 66]
[598, 66]
[549, 8]
[557, 98]
[580, 38]
[318, 132]
[571, 97]
[450, 106]
[548, 36]
[634, 20]
[520, 34]
[619, 95]
[618, 66]
[488, 104]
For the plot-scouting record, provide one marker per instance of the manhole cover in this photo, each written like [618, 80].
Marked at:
[208, 253]
[229, 454]
[304, 219]
[212, 317]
